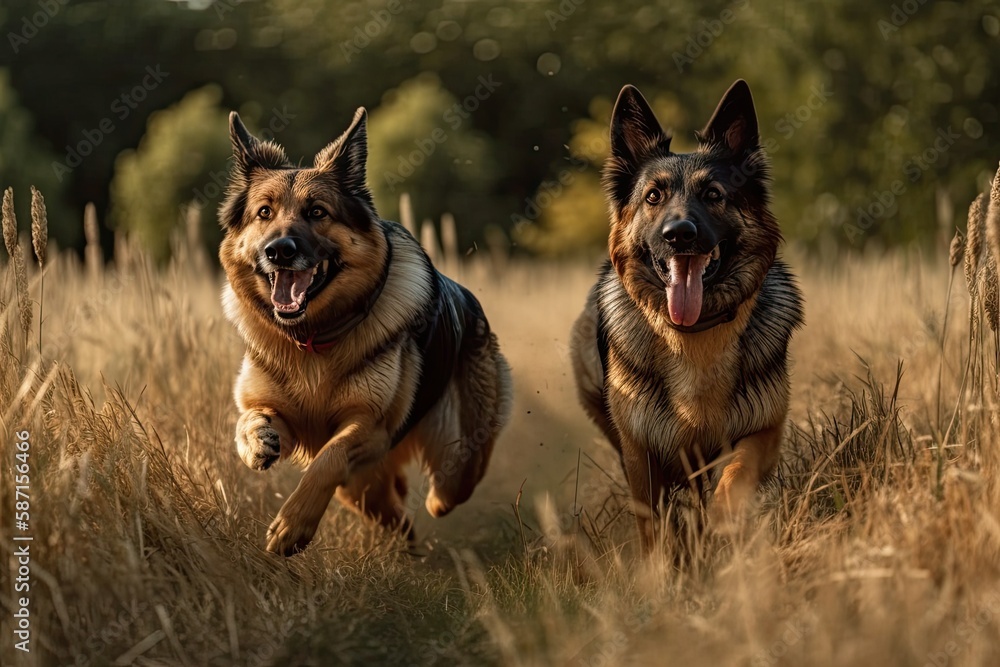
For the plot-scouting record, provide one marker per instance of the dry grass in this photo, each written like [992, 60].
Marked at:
[878, 543]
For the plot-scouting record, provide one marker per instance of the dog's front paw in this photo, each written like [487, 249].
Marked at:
[731, 505]
[288, 536]
[299, 517]
[257, 441]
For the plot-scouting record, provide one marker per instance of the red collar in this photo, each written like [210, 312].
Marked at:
[310, 345]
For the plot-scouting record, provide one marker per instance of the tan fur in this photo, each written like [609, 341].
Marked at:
[753, 457]
[335, 411]
[679, 403]
[587, 370]
[701, 371]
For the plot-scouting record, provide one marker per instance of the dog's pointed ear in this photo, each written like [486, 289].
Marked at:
[734, 123]
[250, 152]
[635, 132]
[634, 128]
[244, 143]
[347, 156]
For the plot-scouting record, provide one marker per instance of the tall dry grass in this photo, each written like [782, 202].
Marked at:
[877, 543]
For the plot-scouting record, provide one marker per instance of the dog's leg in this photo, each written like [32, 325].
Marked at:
[455, 468]
[378, 492]
[753, 457]
[589, 372]
[361, 442]
[645, 481]
[457, 437]
[261, 433]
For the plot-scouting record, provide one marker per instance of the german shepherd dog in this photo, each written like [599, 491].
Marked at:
[359, 354]
[681, 353]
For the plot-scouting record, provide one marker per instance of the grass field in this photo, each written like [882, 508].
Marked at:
[878, 543]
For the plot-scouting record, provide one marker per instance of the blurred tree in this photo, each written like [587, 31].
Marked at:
[568, 213]
[853, 95]
[171, 169]
[420, 142]
[25, 161]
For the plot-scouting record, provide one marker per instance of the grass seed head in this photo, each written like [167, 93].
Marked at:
[991, 224]
[39, 225]
[17, 260]
[974, 241]
[990, 292]
[957, 249]
[9, 222]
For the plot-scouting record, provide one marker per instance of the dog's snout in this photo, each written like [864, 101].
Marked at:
[282, 249]
[679, 232]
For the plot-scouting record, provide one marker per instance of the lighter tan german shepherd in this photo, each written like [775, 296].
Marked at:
[681, 353]
[359, 354]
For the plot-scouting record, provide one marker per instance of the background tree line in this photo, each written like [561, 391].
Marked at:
[880, 118]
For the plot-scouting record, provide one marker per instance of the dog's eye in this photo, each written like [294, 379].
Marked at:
[317, 212]
[654, 197]
[264, 213]
[713, 194]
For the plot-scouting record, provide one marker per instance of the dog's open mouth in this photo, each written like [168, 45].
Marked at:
[684, 276]
[292, 290]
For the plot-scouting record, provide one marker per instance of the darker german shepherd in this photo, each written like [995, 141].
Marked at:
[681, 353]
[359, 354]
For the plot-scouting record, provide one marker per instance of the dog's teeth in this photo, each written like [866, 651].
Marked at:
[716, 253]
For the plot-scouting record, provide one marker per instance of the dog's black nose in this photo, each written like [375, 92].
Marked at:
[279, 249]
[679, 232]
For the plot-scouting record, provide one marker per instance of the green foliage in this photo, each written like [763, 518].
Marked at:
[568, 213]
[421, 142]
[170, 169]
[26, 160]
[851, 96]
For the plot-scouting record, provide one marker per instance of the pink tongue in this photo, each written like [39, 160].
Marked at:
[289, 289]
[684, 291]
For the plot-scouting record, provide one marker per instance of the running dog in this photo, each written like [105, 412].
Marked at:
[360, 355]
[681, 353]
